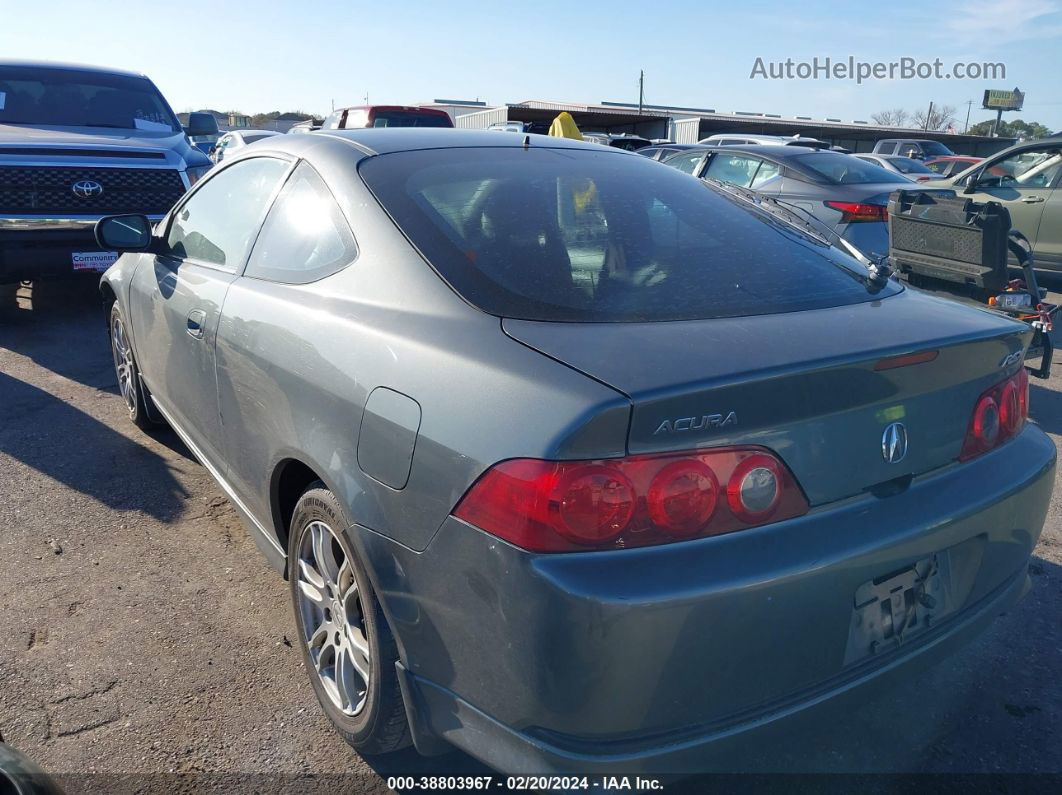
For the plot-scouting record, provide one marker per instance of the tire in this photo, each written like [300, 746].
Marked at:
[366, 710]
[130, 386]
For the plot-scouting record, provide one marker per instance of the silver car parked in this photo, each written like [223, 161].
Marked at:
[572, 461]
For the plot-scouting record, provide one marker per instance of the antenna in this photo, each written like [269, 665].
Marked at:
[527, 141]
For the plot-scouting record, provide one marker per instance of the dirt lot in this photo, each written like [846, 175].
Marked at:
[144, 634]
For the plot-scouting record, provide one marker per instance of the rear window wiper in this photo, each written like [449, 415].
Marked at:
[878, 269]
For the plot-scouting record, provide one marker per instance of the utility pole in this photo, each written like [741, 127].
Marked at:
[969, 105]
[925, 127]
[641, 90]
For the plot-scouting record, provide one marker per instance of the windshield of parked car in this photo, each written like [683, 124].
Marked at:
[580, 235]
[77, 98]
[906, 165]
[840, 169]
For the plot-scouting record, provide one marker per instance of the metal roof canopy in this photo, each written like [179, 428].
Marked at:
[812, 128]
[586, 117]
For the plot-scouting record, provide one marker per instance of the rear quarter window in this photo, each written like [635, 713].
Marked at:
[579, 235]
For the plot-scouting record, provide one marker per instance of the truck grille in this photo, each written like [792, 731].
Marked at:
[46, 190]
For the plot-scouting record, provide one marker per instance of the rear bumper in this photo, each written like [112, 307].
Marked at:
[729, 748]
[667, 659]
[34, 248]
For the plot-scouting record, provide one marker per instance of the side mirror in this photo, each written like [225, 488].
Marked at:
[124, 233]
[201, 124]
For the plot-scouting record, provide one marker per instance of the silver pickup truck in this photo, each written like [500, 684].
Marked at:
[78, 143]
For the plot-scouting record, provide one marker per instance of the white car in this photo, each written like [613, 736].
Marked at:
[914, 170]
[740, 139]
[235, 140]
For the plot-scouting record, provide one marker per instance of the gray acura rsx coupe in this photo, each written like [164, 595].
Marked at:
[574, 461]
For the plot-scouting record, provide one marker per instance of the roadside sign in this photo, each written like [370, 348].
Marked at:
[1003, 100]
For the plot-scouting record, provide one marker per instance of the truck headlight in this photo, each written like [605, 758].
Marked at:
[195, 173]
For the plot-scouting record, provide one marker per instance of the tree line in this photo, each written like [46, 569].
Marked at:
[942, 117]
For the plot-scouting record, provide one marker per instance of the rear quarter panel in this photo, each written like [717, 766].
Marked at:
[296, 365]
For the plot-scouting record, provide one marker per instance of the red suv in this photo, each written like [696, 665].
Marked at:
[386, 116]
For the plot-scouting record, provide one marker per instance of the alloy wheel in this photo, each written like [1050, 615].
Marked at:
[333, 627]
[123, 362]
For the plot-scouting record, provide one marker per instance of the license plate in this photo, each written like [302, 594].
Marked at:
[97, 261]
[891, 609]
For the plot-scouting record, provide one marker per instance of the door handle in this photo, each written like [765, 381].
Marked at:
[1033, 199]
[195, 323]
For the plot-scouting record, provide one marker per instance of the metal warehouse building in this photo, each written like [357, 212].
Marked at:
[689, 125]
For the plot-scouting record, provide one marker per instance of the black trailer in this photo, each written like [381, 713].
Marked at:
[961, 246]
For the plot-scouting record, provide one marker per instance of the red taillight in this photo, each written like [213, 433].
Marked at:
[1000, 412]
[855, 212]
[562, 506]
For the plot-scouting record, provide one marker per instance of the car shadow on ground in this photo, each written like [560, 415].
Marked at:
[60, 326]
[64, 443]
[1045, 406]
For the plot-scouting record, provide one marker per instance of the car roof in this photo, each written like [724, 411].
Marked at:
[73, 67]
[384, 140]
[766, 150]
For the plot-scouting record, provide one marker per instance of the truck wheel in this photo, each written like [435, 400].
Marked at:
[133, 392]
[347, 646]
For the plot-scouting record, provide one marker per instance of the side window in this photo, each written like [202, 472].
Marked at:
[940, 167]
[887, 148]
[218, 222]
[305, 236]
[766, 175]
[735, 169]
[1035, 168]
[686, 163]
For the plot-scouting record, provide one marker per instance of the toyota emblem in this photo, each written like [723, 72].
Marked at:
[87, 188]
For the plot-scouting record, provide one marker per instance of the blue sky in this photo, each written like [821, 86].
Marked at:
[260, 55]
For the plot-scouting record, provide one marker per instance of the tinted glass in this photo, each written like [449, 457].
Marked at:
[841, 169]
[906, 165]
[409, 119]
[73, 98]
[305, 236]
[885, 149]
[766, 176]
[581, 235]
[686, 163]
[252, 137]
[735, 169]
[940, 167]
[218, 222]
[934, 149]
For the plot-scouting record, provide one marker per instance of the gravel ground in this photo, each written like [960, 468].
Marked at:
[145, 635]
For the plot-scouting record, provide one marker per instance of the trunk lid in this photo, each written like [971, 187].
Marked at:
[803, 384]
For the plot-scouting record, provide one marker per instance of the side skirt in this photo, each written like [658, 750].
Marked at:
[264, 539]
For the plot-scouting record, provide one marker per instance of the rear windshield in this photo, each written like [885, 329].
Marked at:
[841, 169]
[580, 235]
[76, 98]
[935, 149]
[906, 165]
[392, 118]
